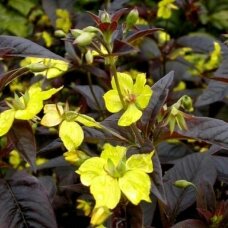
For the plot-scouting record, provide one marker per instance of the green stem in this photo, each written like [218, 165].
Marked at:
[113, 69]
[137, 134]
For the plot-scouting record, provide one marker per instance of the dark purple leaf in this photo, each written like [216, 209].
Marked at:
[53, 163]
[157, 182]
[50, 186]
[194, 168]
[160, 92]
[8, 77]
[79, 188]
[23, 139]
[50, 147]
[135, 36]
[122, 48]
[96, 71]
[197, 42]
[170, 152]
[93, 95]
[221, 164]
[207, 129]
[190, 223]
[216, 91]
[21, 47]
[117, 15]
[24, 203]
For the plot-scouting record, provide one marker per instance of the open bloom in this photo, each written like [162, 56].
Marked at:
[136, 97]
[110, 174]
[25, 107]
[70, 131]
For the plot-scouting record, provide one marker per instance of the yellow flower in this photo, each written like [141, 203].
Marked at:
[25, 107]
[165, 8]
[111, 174]
[136, 97]
[70, 131]
[63, 21]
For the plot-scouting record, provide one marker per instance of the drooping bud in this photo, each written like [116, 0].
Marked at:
[132, 17]
[76, 32]
[183, 184]
[60, 33]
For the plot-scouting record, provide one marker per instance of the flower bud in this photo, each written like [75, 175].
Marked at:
[60, 33]
[91, 29]
[76, 32]
[105, 17]
[89, 57]
[183, 184]
[132, 17]
[37, 67]
[99, 215]
[186, 103]
[84, 39]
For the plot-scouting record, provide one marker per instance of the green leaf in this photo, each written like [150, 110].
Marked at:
[88, 171]
[136, 186]
[71, 134]
[141, 162]
[22, 6]
[6, 121]
[106, 191]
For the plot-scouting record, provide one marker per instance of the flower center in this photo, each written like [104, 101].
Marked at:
[130, 98]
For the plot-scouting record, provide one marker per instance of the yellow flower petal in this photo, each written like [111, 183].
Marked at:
[143, 99]
[115, 153]
[112, 101]
[141, 162]
[71, 134]
[136, 186]
[88, 170]
[125, 82]
[130, 116]
[106, 191]
[139, 83]
[87, 121]
[6, 121]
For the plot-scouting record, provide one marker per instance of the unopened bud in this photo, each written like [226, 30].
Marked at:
[91, 29]
[132, 17]
[37, 67]
[186, 103]
[84, 39]
[60, 33]
[183, 184]
[76, 32]
[105, 17]
[89, 57]
[100, 214]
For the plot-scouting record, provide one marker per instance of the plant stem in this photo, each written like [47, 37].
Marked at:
[113, 70]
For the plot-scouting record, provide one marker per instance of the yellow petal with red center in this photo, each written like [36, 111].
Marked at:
[71, 134]
[130, 116]
[112, 101]
[136, 186]
[6, 121]
[125, 83]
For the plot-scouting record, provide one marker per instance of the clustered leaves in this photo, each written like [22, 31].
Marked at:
[113, 128]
